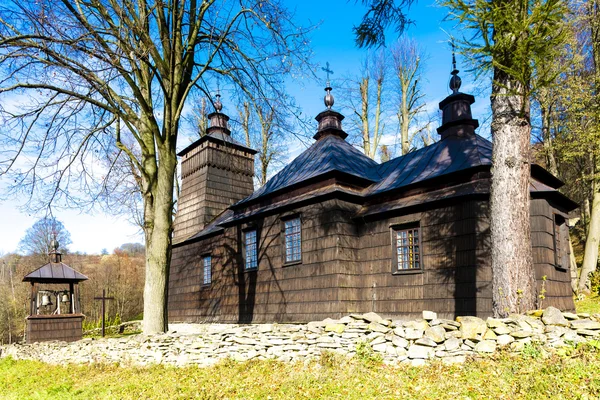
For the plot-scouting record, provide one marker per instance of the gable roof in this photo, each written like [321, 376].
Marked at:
[450, 154]
[55, 273]
[328, 154]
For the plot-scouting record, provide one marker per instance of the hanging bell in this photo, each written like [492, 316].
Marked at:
[65, 298]
[46, 300]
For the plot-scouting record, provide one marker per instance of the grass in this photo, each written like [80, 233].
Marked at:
[590, 304]
[502, 376]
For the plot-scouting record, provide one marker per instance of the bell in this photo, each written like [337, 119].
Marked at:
[46, 300]
[65, 298]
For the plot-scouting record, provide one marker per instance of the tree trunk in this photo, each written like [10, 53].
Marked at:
[590, 257]
[573, 267]
[158, 227]
[548, 148]
[513, 277]
[364, 115]
[404, 117]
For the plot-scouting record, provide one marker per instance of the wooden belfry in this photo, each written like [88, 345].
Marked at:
[55, 312]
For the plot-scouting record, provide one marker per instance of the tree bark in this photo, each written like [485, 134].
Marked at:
[573, 267]
[590, 257]
[513, 277]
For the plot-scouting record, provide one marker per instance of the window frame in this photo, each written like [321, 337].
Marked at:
[394, 229]
[284, 239]
[210, 275]
[559, 227]
[245, 248]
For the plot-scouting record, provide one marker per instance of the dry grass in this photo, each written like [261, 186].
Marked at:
[503, 376]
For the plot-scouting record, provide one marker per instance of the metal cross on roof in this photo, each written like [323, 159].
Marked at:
[328, 71]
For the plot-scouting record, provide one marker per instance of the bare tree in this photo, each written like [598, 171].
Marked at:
[407, 64]
[39, 237]
[90, 74]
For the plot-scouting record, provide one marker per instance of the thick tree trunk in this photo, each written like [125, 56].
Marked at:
[513, 277]
[158, 226]
[590, 257]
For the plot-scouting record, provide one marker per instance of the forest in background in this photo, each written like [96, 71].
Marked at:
[121, 273]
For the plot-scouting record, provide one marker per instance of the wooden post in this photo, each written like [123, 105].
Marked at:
[33, 306]
[103, 299]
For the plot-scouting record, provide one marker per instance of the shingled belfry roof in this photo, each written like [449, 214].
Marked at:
[55, 273]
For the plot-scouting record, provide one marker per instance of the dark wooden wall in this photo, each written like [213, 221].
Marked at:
[347, 267]
[558, 281]
[456, 275]
[295, 293]
[44, 328]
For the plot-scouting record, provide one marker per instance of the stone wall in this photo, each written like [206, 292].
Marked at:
[396, 341]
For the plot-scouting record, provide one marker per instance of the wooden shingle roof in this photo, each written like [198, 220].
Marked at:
[55, 273]
[330, 153]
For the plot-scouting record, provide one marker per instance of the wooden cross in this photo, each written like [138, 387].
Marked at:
[103, 298]
[327, 70]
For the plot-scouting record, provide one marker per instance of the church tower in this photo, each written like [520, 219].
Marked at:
[216, 172]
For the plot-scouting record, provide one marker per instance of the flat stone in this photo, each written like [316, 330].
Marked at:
[587, 332]
[399, 331]
[337, 328]
[419, 352]
[346, 320]
[502, 330]
[585, 324]
[449, 327]
[429, 315]
[378, 340]
[380, 348]
[376, 327]
[371, 317]
[425, 341]
[450, 322]
[452, 344]
[489, 335]
[553, 316]
[420, 325]
[470, 327]
[399, 342]
[583, 315]
[494, 322]
[486, 346]
[243, 340]
[453, 334]
[570, 316]
[504, 340]
[521, 334]
[435, 333]
[413, 334]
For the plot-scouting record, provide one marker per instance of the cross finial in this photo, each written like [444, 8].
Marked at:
[328, 71]
[453, 58]
[455, 81]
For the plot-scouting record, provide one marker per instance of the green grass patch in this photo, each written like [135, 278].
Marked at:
[502, 376]
[590, 304]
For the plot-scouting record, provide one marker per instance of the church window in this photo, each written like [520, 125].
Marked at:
[250, 249]
[407, 249]
[293, 240]
[207, 269]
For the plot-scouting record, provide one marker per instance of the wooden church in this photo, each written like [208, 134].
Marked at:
[335, 232]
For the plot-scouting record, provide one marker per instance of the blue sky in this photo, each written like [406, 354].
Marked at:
[332, 42]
